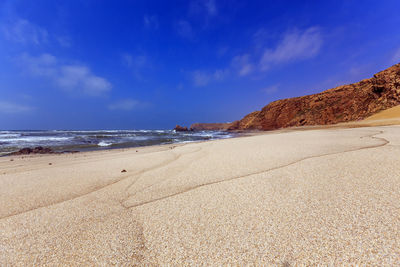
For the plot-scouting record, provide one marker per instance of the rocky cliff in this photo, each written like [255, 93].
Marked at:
[344, 103]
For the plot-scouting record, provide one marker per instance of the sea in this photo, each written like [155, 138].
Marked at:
[64, 140]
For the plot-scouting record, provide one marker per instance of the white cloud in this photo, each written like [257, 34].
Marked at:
[73, 78]
[184, 29]
[23, 31]
[126, 105]
[295, 45]
[270, 89]
[77, 77]
[243, 65]
[150, 22]
[8, 107]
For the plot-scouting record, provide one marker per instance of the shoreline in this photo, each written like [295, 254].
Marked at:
[68, 149]
[241, 133]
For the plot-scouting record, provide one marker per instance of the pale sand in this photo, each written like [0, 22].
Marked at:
[320, 196]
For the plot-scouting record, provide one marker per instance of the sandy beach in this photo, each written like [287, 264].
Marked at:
[321, 196]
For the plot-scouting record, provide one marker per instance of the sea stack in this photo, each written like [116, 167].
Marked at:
[179, 128]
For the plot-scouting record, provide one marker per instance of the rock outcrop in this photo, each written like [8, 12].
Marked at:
[341, 104]
[209, 126]
[179, 128]
[39, 150]
[36, 150]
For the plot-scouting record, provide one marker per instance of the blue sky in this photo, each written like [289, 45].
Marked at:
[153, 64]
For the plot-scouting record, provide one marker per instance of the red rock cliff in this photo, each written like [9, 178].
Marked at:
[344, 103]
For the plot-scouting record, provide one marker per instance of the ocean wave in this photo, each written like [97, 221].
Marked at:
[92, 140]
[102, 143]
[34, 139]
[8, 135]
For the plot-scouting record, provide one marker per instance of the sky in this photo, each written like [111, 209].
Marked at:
[103, 64]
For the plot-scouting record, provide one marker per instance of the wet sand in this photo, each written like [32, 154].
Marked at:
[327, 196]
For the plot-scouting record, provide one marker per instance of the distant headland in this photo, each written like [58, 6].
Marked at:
[344, 103]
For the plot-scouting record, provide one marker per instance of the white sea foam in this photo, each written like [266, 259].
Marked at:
[34, 139]
[100, 138]
[102, 143]
[2, 136]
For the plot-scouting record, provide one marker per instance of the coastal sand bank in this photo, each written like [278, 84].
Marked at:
[327, 196]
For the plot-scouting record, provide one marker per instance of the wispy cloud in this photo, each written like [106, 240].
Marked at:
[184, 29]
[199, 11]
[137, 63]
[42, 65]
[270, 89]
[23, 31]
[78, 77]
[74, 78]
[211, 7]
[243, 65]
[295, 45]
[203, 78]
[207, 7]
[220, 74]
[12, 108]
[64, 41]
[151, 22]
[126, 105]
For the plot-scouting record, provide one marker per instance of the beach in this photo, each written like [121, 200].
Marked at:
[301, 197]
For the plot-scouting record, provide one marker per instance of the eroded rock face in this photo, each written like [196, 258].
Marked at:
[344, 103]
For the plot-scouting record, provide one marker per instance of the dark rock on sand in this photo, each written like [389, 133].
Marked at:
[36, 150]
[39, 150]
